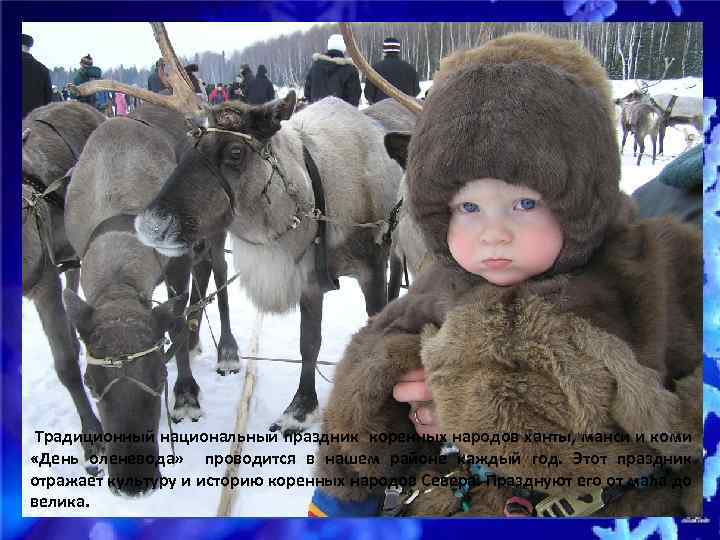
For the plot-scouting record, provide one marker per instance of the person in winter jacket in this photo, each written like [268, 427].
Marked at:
[677, 190]
[261, 89]
[121, 106]
[218, 94]
[156, 80]
[333, 75]
[36, 89]
[239, 89]
[551, 323]
[394, 70]
[87, 72]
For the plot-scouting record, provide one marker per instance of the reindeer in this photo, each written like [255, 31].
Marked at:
[120, 170]
[305, 199]
[53, 137]
[645, 120]
[407, 252]
[673, 109]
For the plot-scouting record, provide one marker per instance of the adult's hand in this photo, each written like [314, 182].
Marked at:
[412, 389]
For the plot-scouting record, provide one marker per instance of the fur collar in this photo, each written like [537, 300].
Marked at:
[338, 61]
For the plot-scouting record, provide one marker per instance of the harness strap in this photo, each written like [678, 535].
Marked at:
[116, 223]
[326, 280]
[132, 380]
[74, 153]
[119, 361]
[39, 206]
[393, 221]
[41, 191]
[130, 117]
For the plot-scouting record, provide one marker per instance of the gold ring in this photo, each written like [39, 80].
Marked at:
[416, 418]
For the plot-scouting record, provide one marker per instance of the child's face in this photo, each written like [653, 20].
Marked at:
[502, 232]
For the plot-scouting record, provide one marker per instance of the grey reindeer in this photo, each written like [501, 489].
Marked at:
[673, 110]
[120, 170]
[642, 119]
[645, 121]
[53, 138]
[249, 173]
[398, 114]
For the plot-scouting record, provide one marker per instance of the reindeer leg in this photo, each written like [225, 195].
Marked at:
[373, 286]
[642, 150]
[625, 134]
[186, 390]
[653, 145]
[47, 298]
[661, 133]
[396, 273]
[302, 411]
[228, 359]
[198, 289]
[72, 282]
[72, 279]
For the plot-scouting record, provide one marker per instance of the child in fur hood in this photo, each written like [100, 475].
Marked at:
[547, 313]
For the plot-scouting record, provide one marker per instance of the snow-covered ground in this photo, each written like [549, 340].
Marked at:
[47, 406]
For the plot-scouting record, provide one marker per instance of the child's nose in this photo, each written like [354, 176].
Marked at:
[495, 232]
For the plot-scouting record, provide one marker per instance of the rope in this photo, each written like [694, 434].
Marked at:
[167, 415]
[323, 376]
[289, 360]
[227, 497]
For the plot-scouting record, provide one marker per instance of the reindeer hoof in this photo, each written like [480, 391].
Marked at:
[228, 358]
[178, 414]
[93, 449]
[297, 422]
[187, 404]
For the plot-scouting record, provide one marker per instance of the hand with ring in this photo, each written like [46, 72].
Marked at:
[412, 389]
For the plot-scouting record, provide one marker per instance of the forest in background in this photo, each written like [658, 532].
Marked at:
[632, 50]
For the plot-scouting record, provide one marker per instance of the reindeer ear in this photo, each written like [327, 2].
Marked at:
[79, 312]
[265, 119]
[167, 313]
[396, 144]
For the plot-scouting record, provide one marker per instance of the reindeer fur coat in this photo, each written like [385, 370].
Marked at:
[606, 341]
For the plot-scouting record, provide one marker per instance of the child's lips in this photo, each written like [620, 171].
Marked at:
[497, 264]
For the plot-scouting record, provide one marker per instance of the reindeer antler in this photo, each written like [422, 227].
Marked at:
[373, 76]
[643, 89]
[183, 99]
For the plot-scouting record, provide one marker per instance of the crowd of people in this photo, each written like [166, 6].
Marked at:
[331, 74]
[37, 89]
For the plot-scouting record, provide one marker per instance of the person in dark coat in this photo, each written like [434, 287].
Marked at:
[333, 75]
[87, 73]
[397, 72]
[261, 89]
[36, 88]
[155, 82]
[677, 190]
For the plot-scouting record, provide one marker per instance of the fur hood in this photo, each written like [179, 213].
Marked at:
[529, 110]
[614, 349]
[340, 61]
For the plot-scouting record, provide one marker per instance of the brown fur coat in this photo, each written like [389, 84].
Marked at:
[614, 348]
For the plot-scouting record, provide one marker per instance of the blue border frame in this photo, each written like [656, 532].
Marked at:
[13, 526]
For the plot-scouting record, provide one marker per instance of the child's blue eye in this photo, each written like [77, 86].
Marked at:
[470, 207]
[525, 204]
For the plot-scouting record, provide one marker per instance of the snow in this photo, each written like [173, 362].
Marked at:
[47, 405]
